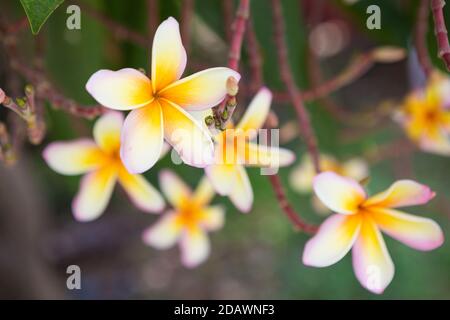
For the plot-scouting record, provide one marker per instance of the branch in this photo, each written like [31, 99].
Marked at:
[255, 59]
[25, 108]
[43, 87]
[298, 223]
[227, 8]
[45, 90]
[223, 112]
[357, 67]
[420, 38]
[294, 92]
[440, 31]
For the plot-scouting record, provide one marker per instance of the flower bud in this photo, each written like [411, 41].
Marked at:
[209, 120]
[232, 86]
[388, 54]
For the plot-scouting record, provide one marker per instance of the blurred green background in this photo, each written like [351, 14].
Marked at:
[255, 256]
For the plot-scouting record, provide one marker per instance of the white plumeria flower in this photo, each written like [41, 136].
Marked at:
[189, 220]
[99, 159]
[358, 222]
[160, 106]
[234, 150]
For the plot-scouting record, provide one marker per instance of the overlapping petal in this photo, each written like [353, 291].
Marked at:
[168, 55]
[200, 91]
[95, 192]
[195, 247]
[213, 218]
[265, 156]
[440, 144]
[164, 233]
[141, 192]
[107, 131]
[124, 89]
[74, 157]
[340, 194]
[256, 113]
[371, 260]
[204, 192]
[192, 142]
[334, 239]
[142, 138]
[175, 190]
[416, 232]
[241, 193]
[401, 194]
[221, 177]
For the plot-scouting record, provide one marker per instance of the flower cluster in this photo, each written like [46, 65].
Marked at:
[425, 115]
[168, 107]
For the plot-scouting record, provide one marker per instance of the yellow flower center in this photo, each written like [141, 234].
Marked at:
[190, 215]
[426, 115]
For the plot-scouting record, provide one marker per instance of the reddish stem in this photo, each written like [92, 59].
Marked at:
[421, 37]
[294, 92]
[255, 59]
[239, 26]
[440, 31]
[292, 215]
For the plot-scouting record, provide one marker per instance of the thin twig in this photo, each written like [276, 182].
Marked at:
[227, 9]
[420, 37]
[292, 215]
[224, 111]
[46, 90]
[26, 110]
[255, 59]
[440, 31]
[294, 92]
[357, 67]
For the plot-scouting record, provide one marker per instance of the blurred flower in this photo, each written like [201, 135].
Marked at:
[234, 150]
[99, 159]
[189, 221]
[160, 106]
[358, 222]
[329, 38]
[425, 115]
[301, 178]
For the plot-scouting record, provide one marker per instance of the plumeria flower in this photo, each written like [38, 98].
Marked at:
[425, 115]
[358, 224]
[160, 106]
[235, 149]
[189, 220]
[99, 160]
[302, 176]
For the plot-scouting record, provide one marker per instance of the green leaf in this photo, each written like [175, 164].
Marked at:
[38, 11]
